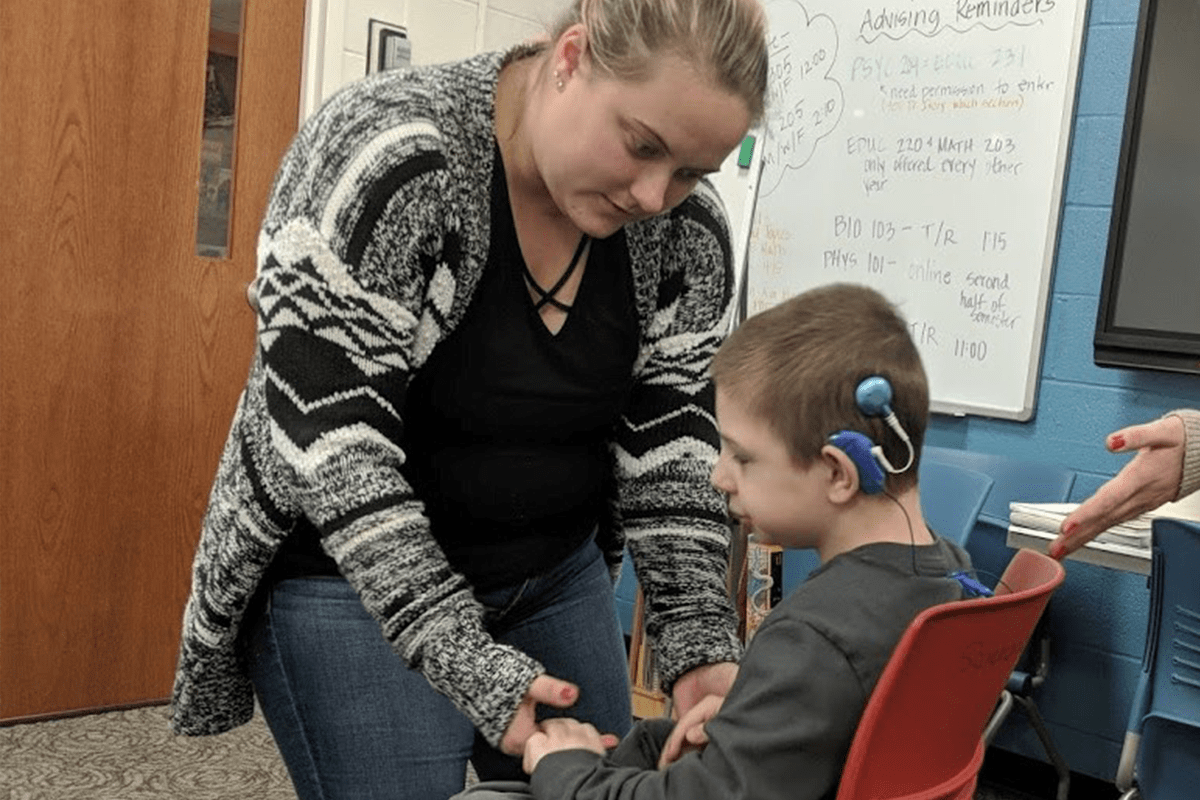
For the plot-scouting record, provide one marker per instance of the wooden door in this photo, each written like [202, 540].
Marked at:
[122, 352]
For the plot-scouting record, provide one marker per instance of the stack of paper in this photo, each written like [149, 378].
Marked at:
[1047, 517]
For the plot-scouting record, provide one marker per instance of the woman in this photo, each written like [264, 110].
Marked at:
[488, 294]
[1166, 468]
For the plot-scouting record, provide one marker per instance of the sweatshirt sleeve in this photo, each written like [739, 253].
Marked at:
[675, 522]
[1189, 481]
[783, 732]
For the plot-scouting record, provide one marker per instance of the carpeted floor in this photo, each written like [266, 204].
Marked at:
[132, 755]
[122, 755]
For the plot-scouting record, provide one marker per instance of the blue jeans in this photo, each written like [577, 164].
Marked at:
[352, 721]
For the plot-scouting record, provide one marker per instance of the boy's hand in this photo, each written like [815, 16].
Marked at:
[557, 734]
[694, 685]
[689, 734]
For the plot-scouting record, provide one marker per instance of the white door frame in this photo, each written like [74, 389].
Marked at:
[324, 35]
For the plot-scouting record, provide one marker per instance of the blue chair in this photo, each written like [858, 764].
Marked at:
[1160, 759]
[951, 500]
[1013, 479]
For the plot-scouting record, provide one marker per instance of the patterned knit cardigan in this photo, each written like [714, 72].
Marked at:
[372, 245]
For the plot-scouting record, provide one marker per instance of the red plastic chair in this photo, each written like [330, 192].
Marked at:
[921, 734]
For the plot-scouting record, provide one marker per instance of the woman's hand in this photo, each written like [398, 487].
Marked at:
[697, 684]
[558, 734]
[545, 690]
[1146, 482]
[689, 734]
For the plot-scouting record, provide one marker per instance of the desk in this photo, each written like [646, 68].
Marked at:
[1113, 556]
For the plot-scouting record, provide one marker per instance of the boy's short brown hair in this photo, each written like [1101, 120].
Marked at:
[796, 365]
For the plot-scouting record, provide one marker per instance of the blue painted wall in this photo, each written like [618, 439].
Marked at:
[1097, 619]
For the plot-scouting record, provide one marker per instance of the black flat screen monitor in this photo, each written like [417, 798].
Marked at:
[1149, 314]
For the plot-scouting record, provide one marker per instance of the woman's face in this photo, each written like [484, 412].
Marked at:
[613, 151]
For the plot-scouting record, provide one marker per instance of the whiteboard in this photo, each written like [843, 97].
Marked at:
[738, 187]
[919, 148]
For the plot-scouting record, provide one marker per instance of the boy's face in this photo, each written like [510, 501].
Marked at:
[785, 503]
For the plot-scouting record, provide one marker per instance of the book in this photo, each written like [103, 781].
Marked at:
[1048, 517]
[764, 582]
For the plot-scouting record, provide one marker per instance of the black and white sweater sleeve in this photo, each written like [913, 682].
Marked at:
[675, 522]
[358, 268]
[335, 361]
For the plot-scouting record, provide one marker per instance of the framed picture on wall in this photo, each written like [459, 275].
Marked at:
[388, 46]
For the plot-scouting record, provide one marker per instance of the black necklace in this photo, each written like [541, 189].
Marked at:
[547, 296]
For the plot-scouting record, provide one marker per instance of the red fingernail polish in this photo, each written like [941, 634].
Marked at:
[1116, 443]
[568, 693]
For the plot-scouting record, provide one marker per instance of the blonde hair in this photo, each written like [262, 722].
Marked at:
[727, 37]
[796, 365]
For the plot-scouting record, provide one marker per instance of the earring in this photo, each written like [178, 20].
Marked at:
[558, 81]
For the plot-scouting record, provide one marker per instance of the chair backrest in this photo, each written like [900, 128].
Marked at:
[951, 498]
[1168, 762]
[1012, 478]
[921, 734]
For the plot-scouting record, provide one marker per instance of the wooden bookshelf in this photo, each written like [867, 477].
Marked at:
[647, 695]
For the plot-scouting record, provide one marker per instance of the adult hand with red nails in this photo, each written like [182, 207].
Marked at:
[544, 690]
[1150, 479]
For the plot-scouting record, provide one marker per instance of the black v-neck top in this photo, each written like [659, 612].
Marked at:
[506, 426]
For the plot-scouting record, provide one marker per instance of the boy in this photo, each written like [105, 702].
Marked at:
[795, 385]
